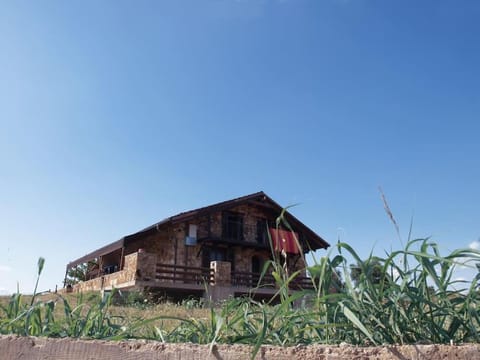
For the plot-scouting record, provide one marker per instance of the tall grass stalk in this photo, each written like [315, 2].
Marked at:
[40, 264]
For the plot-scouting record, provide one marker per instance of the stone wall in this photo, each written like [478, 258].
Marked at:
[243, 258]
[16, 347]
[125, 277]
[160, 243]
[169, 246]
[90, 285]
[146, 266]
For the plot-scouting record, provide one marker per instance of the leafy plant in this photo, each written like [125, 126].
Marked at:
[80, 272]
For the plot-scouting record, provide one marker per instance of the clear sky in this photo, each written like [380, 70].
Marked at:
[117, 114]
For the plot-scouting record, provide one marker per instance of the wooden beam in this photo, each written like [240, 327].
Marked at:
[122, 258]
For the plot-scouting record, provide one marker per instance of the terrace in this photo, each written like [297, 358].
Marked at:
[141, 270]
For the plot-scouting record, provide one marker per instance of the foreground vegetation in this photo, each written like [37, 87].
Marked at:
[407, 296]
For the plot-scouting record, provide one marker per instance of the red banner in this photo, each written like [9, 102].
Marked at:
[284, 240]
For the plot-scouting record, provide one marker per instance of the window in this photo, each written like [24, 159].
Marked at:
[262, 231]
[232, 226]
[218, 254]
[257, 265]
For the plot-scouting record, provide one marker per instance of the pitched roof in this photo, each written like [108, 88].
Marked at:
[259, 198]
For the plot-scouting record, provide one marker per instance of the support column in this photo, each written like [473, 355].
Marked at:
[221, 286]
[221, 273]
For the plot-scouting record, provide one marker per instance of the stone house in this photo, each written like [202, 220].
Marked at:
[214, 251]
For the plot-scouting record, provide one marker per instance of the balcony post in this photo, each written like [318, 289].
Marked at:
[221, 285]
[221, 273]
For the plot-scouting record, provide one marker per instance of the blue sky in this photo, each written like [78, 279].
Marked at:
[116, 114]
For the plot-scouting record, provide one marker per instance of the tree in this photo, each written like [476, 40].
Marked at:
[80, 272]
[327, 275]
[370, 269]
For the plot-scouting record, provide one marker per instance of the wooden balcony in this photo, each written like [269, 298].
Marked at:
[253, 280]
[184, 274]
[142, 271]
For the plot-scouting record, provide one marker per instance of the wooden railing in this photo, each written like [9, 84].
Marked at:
[202, 275]
[252, 280]
[249, 279]
[184, 274]
[301, 283]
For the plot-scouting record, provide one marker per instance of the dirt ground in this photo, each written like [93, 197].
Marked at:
[15, 347]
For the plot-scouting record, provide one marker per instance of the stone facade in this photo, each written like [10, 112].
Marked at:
[169, 243]
[146, 266]
[167, 246]
[119, 279]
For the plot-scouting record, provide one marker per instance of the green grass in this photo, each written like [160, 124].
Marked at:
[416, 300]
